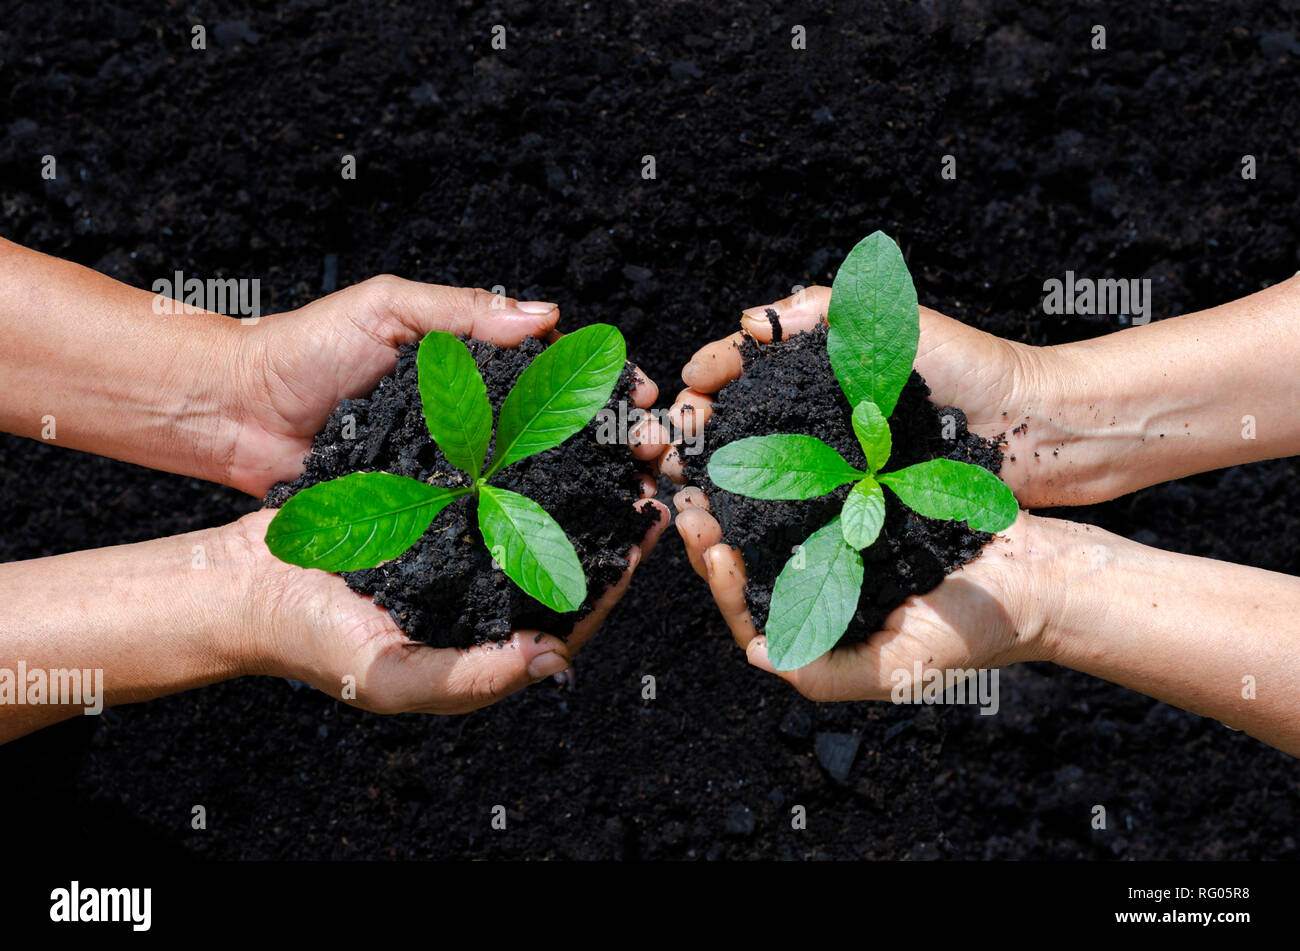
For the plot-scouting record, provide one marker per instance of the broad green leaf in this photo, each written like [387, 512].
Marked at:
[815, 597]
[358, 521]
[784, 466]
[559, 393]
[455, 401]
[875, 323]
[863, 514]
[873, 434]
[531, 548]
[959, 491]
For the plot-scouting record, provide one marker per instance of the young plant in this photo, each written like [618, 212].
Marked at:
[366, 518]
[874, 329]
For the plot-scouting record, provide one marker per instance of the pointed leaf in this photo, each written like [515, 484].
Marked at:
[959, 491]
[875, 323]
[863, 514]
[358, 521]
[455, 401]
[784, 466]
[873, 434]
[531, 548]
[814, 599]
[559, 393]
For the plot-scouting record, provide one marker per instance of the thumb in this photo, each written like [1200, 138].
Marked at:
[413, 309]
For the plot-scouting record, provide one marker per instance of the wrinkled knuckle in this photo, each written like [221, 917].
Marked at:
[484, 687]
[476, 298]
[381, 291]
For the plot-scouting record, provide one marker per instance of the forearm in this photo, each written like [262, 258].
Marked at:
[88, 364]
[1208, 636]
[154, 618]
[1149, 404]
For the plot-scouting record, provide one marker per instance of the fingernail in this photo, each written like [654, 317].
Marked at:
[535, 306]
[691, 371]
[708, 564]
[756, 313]
[546, 665]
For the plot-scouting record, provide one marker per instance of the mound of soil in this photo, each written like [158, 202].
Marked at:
[789, 387]
[445, 589]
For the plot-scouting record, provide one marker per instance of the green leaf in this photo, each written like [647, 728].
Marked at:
[785, 466]
[455, 401]
[531, 548]
[863, 514]
[873, 434]
[815, 597]
[959, 491]
[875, 323]
[358, 521]
[559, 393]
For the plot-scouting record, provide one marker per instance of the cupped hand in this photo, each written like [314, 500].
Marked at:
[288, 375]
[997, 383]
[309, 625]
[987, 613]
[291, 370]
[981, 615]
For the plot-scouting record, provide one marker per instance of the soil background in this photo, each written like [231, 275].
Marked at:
[523, 167]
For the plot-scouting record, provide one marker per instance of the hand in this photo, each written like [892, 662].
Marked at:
[977, 616]
[309, 625]
[291, 370]
[987, 613]
[997, 383]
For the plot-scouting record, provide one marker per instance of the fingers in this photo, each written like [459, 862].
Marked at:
[726, 575]
[714, 365]
[648, 440]
[584, 629]
[644, 391]
[718, 564]
[414, 309]
[717, 364]
[447, 680]
[691, 411]
[796, 314]
[700, 531]
[846, 672]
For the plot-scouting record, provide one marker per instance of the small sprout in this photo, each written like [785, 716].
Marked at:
[874, 329]
[366, 518]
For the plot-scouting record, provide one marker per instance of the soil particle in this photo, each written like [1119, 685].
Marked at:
[445, 590]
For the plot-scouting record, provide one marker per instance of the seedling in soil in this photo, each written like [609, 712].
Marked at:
[874, 329]
[366, 518]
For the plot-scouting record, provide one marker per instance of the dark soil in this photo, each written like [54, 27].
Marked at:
[522, 167]
[789, 387]
[444, 589]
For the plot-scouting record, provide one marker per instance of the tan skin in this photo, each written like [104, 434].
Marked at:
[204, 395]
[1212, 637]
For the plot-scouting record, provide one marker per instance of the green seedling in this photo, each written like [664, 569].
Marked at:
[366, 518]
[874, 329]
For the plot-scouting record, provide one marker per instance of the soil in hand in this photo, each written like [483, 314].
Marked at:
[445, 590]
[789, 387]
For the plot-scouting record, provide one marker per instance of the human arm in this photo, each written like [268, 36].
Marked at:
[176, 613]
[201, 394]
[1091, 420]
[1212, 637]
